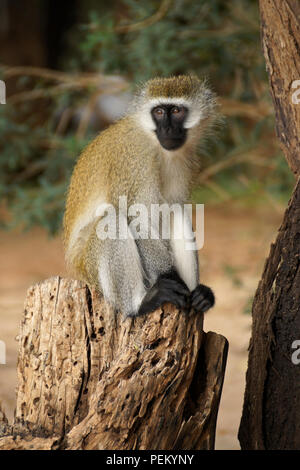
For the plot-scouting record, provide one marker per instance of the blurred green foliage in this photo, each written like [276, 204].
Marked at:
[233, 273]
[35, 166]
[248, 305]
[138, 39]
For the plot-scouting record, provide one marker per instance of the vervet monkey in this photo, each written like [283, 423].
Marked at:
[149, 156]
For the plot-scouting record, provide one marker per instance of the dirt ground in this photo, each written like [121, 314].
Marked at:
[236, 244]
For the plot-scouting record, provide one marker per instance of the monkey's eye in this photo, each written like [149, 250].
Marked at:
[178, 110]
[159, 111]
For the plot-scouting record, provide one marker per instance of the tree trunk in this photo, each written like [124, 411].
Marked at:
[88, 379]
[271, 413]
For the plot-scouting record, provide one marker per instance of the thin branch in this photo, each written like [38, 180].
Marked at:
[81, 80]
[64, 120]
[34, 71]
[258, 110]
[161, 12]
[225, 195]
[30, 95]
[87, 114]
[251, 156]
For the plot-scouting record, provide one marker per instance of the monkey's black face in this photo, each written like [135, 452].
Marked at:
[169, 120]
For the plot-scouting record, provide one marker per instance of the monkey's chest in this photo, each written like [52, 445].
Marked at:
[174, 182]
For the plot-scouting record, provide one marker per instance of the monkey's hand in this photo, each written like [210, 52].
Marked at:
[165, 290]
[202, 298]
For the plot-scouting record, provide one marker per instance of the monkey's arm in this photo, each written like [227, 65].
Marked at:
[179, 283]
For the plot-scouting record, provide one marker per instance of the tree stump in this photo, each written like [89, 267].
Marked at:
[90, 379]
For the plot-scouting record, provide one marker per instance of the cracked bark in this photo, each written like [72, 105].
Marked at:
[88, 379]
[271, 413]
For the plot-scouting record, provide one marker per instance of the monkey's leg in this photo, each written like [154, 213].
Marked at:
[202, 298]
[114, 265]
[121, 275]
[168, 288]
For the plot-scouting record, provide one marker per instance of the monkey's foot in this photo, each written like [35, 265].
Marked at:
[202, 298]
[165, 290]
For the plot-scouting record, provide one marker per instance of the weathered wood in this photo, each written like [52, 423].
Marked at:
[280, 32]
[271, 413]
[88, 379]
[5, 428]
[26, 443]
